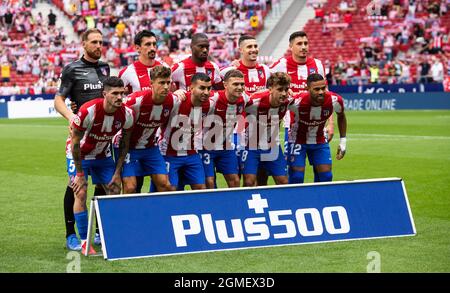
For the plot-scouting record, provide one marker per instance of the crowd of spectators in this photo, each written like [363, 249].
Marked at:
[32, 49]
[409, 43]
[172, 21]
[43, 52]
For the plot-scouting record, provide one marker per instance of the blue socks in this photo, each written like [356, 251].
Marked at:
[81, 220]
[296, 177]
[325, 176]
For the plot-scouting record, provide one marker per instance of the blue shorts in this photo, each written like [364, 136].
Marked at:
[318, 154]
[71, 170]
[252, 160]
[191, 167]
[225, 161]
[144, 162]
[286, 141]
[100, 170]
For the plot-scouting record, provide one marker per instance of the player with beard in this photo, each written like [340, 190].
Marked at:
[311, 111]
[81, 81]
[136, 77]
[299, 66]
[183, 71]
[255, 78]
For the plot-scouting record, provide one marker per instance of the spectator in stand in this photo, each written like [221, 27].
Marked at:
[437, 70]
[424, 68]
[319, 14]
[6, 72]
[339, 38]
[51, 19]
[374, 73]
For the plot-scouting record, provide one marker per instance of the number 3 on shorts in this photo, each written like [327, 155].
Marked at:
[206, 159]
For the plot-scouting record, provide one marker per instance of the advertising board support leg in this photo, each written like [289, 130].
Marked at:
[90, 222]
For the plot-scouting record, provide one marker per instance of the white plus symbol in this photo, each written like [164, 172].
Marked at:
[257, 203]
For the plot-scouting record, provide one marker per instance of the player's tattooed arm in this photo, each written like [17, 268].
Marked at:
[80, 180]
[124, 144]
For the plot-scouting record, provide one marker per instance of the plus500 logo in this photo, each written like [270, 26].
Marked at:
[290, 223]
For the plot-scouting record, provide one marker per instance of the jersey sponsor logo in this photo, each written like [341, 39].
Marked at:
[292, 72]
[141, 76]
[275, 224]
[152, 124]
[97, 124]
[145, 113]
[85, 73]
[313, 123]
[90, 86]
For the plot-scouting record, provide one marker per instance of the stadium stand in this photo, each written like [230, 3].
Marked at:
[397, 42]
[393, 43]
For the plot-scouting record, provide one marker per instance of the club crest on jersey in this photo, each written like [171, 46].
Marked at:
[209, 72]
[104, 71]
[117, 124]
[326, 112]
[282, 108]
[76, 120]
[240, 109]
[312, 71]
[260, 73]
[166, 112]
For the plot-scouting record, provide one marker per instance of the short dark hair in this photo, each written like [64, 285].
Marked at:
[143, 34]
[279, 78]
[86, 34]
[200, 76]
[233, 73]
[244, 38]
[313, 78]
[112, 81]
[297, 34]
[160, 72]
[197, 37]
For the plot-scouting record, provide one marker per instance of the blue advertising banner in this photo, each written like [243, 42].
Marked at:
[5, 99]
[133, 226]
[417, 101]
[387, 88]
[3, 110]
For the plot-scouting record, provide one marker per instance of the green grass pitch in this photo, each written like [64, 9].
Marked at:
[413, 145]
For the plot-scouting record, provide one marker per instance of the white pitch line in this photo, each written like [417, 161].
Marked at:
[397, 136]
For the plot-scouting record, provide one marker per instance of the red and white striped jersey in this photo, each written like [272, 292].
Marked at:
[220, 119]
[310, 120]
[268, 119]
[100, 127]
[182, 135]
[183, 71]
[298, 72]
[255, 78]
[149, 117]
[136, 76]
